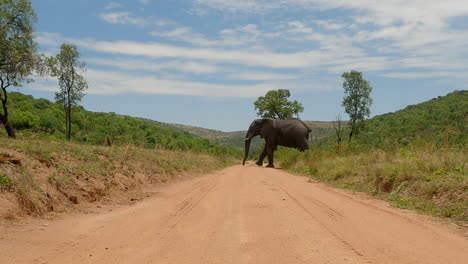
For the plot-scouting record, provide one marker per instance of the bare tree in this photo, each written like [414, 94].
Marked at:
[338, 126]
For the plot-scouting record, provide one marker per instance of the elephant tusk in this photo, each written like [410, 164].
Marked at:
[247, 139]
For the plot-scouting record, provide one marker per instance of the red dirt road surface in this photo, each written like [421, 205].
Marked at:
[242, 214]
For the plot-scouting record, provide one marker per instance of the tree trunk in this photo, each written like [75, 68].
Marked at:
[352, 130]
[338, 131]
[68, 117]
[9, 130]
[68, 124]
[8, 127]
[4, 117]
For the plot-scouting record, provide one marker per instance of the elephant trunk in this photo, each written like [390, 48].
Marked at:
[247, 148]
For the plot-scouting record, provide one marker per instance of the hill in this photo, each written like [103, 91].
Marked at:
[320, 129]
[231, 139]
[40, 118]
[442, 121]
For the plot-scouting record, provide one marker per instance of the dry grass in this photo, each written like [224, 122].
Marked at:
[426, 178]
[44, 176]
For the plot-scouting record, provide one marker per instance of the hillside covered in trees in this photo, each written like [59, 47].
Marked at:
[42, 119]
[442, 121]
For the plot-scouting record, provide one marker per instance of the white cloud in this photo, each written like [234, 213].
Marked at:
[112, 5]
[426, 75]
[365, 64]
[401, 28]
[159, 50]
[336, 55]
[230, 37]
[196, 67]
[240, 5]
[184, 34]
[328, 24]
[155, 66]
[383, 12]
[124, 17]
[182, 66]
[115, 82]
[249, 34]
[297, 27]
[259, 76]
[49, 38]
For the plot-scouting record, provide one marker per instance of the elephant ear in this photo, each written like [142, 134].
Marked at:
[268, 126]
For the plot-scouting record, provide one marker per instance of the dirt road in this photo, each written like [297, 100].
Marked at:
[243, 214]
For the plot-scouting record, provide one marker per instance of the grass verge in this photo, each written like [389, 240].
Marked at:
[37, 177]
[425, 178]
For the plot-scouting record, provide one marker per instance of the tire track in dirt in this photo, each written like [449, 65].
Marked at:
[187, 205]
[350, 198]
[332, 216]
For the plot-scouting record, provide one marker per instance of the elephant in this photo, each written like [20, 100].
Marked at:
[291, 133]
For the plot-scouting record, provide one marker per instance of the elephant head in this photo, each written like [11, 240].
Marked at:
[262, 127]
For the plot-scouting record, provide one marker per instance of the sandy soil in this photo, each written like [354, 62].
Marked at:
[242, 214]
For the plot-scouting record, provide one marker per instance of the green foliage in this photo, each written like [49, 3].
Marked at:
[275, 104]
[17, 46]
[93, 128]
[441, 121]
[18, 57]
[66, 67]
[5, 182]
[357, 100]
[25, 119]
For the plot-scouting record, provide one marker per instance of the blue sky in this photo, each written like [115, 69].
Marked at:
[204, 62]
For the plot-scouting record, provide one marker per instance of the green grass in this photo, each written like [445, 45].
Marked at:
[5, 182]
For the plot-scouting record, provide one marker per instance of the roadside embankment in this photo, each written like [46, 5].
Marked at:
[426, 178]
[39, 177]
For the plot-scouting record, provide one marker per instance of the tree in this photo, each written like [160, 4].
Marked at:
[18, 57]
[338, 126]
[357, 100]
[275, 104]
[67, 68]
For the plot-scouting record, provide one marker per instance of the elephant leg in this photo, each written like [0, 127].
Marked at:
[303, 144]
[270, 152]
[262, 156]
